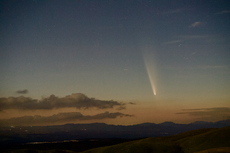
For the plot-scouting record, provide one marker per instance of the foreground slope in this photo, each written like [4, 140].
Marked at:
[216, 150]
[212, 139]
[188, 142]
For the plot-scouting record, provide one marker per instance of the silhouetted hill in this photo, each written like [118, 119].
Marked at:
[188, 142]
[216, 150]
[168, 124]
[211, 139]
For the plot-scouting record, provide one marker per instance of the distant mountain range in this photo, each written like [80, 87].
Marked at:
[99, 130]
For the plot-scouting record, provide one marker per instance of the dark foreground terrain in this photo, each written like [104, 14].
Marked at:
[59, 146]
[25, 134]
[202, 141]
[209, 140]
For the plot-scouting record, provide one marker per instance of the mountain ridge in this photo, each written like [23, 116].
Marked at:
[100, 130]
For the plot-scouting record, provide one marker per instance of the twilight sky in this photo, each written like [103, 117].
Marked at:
[117, 62]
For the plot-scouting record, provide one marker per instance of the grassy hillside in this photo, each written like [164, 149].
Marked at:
[140, 146]
[188, 142]
[212, 139]
[216, 150]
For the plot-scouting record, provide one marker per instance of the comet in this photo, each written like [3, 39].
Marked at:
[151, 79]
[150, 67]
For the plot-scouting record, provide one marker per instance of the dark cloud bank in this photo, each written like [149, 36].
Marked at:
[215, 112]
[57, 118]
[76, 100]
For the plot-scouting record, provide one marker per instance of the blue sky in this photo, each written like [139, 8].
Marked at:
[100, 49]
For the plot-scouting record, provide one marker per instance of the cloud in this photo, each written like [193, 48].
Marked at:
[185, 38]
[172, 42]
[22, 91]
[57, 118]
[216, 112]
[195, 24]
[223, 12]
[213, 67]
[200, 67]
[194, 37]
[132, 103]
[76, 100]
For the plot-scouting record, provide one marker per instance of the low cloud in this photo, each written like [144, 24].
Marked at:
[195, 24]
[22, 91]
[132, 103]
[216, 112]
[57, 118]
[77, 100]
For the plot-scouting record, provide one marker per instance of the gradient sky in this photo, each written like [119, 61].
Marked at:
[122, 51]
